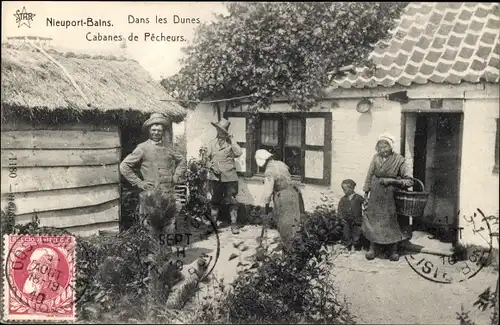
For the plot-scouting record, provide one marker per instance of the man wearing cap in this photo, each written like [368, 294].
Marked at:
[160, 166]
[222, 177]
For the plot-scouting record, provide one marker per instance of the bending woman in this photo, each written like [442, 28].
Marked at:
[288, 204]
[387, 172]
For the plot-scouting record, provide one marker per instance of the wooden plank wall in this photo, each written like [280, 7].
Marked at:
[68, 175]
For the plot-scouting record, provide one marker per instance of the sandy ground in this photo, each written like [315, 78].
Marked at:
[379, 291]
[385, 292]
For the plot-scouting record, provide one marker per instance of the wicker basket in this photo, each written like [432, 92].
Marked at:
[411, 204]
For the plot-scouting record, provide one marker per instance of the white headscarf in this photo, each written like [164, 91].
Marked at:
[261, 156]
[388, 138]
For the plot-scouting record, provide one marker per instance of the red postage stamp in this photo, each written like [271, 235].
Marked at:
[40, 272]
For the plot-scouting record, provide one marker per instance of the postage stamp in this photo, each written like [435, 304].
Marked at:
[40, 272]
[462, 264]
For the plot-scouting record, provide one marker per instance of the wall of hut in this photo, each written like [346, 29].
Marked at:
[67, 175]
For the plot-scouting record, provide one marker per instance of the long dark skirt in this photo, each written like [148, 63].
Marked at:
[288, 211]
[380, 222]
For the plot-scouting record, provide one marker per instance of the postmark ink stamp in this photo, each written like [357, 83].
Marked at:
[183, 237]
[40, 272]
[459, 266]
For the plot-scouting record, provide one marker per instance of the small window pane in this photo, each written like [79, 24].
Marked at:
[269, 132]
[293, 157]
[293, 132]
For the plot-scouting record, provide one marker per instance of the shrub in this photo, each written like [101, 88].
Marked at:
[288, 288]
[118, 275]
[488, 300]
[198, 204]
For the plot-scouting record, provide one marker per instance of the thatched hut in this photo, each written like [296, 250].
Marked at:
[67, 121]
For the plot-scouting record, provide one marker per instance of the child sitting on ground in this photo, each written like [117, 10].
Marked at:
[350, 211]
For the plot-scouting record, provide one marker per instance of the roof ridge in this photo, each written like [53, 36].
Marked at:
[69, 54]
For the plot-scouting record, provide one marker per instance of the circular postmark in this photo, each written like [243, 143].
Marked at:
[195, 245]
[464, 263]
[40, 272]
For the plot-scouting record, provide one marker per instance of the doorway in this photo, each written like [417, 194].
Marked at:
[436, 162]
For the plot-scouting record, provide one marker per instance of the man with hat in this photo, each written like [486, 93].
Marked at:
[223, 180]
[160, 166]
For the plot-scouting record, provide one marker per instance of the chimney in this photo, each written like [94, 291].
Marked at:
[123, 48]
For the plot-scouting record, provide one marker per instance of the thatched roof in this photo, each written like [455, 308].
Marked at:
[30, 80]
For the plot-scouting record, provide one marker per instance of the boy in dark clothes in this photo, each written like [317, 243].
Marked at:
[350, 211]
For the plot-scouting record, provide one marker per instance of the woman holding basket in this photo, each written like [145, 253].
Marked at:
[388, 171]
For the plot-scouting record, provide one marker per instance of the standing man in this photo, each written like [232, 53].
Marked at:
[160, 167]
[223, 180]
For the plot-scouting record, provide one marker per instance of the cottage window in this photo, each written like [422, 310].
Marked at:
[301, 140]
[497, 147]
[282, 136]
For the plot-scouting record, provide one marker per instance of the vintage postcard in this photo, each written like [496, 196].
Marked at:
[250, 162]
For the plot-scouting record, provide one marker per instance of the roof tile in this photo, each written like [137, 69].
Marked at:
[433, 56]
[494, 62]
[426, 69]
[437, 78]
[481, 12]
[466, 53]
[493, 24]
[460, 66]
[478, 65]
[445, 29]
[454, 41]
[454, 79]
[414, 32]
[411, 69]
[460, 28]
[471, 39]
[450, 54]
[442, 67]
[466, 14]
[420, 80]
[408, 46]
[437, 42]
[450, 17]
[476, 25]
[401, 59]
[454, 5]
[488, 38]
[436, 18]
[483, 52]
[417, 57]
[430, 29]
[496, 49]
[423, 42]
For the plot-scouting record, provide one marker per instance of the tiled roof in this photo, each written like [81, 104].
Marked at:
[436, 42]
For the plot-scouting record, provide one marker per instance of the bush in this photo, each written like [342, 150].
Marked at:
[122, 275]
[198, 204]
[489, 299]
[289, 288]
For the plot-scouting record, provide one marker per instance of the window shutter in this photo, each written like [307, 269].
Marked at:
[238, 128]
[317, 148]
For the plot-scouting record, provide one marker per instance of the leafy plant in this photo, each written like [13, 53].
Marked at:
[287, 288]
[488, 299]
[280, 49]
[198, 204]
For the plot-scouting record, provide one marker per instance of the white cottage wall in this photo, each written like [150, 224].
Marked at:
[479, 184]
[355, 135]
